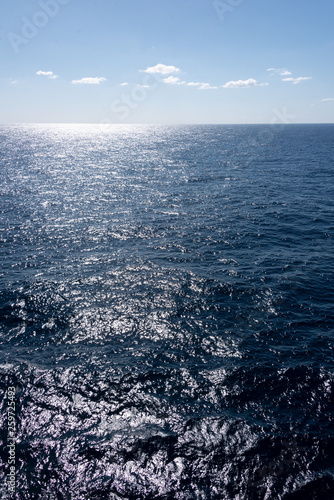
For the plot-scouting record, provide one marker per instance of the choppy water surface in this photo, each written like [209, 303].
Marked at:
[167, 311]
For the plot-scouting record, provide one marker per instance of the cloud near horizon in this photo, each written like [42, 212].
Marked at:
[327, 99]
[173, 80]
[90, 80]
[206, 86]
[49, 74]
[280, 71]
[295, 81]
[162, 69]
[238, 84]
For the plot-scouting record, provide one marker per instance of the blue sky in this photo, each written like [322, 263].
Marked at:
[167, 61]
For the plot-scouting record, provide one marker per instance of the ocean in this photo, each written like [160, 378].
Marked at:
[166, 302]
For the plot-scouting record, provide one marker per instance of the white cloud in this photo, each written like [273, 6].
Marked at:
[13, 82]
[295, 81]
[201, 86]
[161, 68]
[280, 71]
[206, 86]
[90, 80]
[240, 84]
[49, 74]
[173, 80]
[123, 84]
[322, 100]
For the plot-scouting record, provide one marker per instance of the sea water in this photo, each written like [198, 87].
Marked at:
[166, 302]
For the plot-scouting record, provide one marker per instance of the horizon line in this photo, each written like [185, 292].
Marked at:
[101, 124]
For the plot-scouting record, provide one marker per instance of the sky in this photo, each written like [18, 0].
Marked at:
[167, 61]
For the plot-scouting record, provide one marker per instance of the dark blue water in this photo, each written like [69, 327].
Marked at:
[166, 308]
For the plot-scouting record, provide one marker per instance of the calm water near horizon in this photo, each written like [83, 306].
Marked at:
[166, 301]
